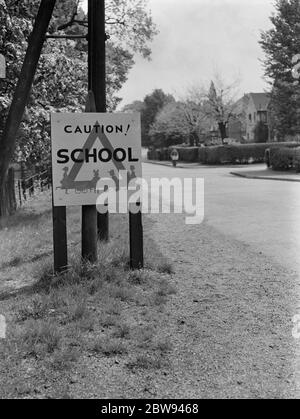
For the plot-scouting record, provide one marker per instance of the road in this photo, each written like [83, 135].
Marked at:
[262, 213]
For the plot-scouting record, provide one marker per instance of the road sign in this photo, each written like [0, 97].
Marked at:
[2, 67]
[91, 146]
[175, 155]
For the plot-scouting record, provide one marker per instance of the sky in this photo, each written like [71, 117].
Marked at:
[198, 38]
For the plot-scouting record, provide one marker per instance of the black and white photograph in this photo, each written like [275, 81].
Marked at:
[149, 203]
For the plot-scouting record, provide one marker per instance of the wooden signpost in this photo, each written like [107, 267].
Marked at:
[136, 240]
[60, 245]
[87, 148]
[91, 146]
[97, 77]
[89, 212]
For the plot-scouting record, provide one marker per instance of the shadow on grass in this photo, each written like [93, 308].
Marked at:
[24, 217]
[154, 261]
[18, 261]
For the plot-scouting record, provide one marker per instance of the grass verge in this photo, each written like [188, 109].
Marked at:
[92, 313]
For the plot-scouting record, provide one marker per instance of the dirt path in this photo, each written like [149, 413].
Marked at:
[230, 321]
[229, 325]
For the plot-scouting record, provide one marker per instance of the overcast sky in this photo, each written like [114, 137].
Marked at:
[198, 38]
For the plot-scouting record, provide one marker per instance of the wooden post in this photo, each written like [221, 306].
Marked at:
[23, 181]
[89, 212]
[97, 77]
[89, 233]
[136, 240]
[60, 239]
[19, 189]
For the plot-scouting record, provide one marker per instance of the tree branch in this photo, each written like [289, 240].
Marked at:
[72, 21]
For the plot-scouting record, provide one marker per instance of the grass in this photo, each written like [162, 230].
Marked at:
[64, 359]
[100, 310]
[145, 362]
[41, 338]
[109, 347]
[165, 268]
[122, 331]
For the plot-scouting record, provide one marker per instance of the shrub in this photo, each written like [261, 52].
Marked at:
[222, 154]
[238, 153]
[284, 158]
[187, 154]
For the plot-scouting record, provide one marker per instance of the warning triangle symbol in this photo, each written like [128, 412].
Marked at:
[68, 181]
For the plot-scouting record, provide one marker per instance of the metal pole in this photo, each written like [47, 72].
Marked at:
[97, 76]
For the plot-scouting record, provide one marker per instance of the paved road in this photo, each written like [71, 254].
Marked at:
[262, 213]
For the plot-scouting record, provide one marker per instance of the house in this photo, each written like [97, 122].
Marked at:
[251, 109]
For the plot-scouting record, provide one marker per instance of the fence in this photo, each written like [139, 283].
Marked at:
[31, 186]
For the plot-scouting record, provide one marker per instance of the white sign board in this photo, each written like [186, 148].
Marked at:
[2, 67]
[175, 155]
[88, 147]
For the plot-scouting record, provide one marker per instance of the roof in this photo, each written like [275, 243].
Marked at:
[261, 100]
[239, 106]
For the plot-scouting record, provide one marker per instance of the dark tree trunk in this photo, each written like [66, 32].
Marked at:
[223, 131]
[7, 195]
[21, 95]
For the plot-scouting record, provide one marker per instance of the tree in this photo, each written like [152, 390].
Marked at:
[204, 107]
[170, 127]
[60, 83]
[195, 117]
[220, 104]
[280, 44]
[153, 103]
[21, 95]
[136, 106]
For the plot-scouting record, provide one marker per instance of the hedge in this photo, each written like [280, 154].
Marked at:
[238, 153]
[187, 154]
[225, 154]
[284, 158]
[159, 154]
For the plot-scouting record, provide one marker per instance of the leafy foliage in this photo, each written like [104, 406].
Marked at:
[150, 108]
[61, 80]
[237, 153]
[280, 44]
[166, 122]
[170, 126]
[284, 158]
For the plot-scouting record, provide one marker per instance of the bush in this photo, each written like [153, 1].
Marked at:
[159, 154]
[187, 154]
[223, 154]
[284, 158]
[238, 153]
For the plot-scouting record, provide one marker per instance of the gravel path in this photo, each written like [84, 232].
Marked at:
[229, 325]
[231, 319]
